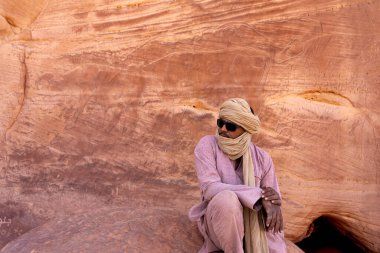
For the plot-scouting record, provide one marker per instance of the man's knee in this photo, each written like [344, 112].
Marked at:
[224, 217]
[227, 201]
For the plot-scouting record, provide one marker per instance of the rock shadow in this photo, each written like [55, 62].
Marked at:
[326, 236]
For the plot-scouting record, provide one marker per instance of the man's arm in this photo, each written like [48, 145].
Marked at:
[274, 220]
[209, 178]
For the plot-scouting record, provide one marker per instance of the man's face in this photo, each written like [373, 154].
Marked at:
[230, 134]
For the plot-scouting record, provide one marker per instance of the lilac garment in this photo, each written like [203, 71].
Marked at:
[216, 172]
[224, 224]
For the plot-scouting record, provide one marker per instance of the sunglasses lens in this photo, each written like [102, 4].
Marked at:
[229, 126]
[220, 123]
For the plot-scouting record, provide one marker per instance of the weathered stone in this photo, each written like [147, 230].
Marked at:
[102, 103]
[112, 230]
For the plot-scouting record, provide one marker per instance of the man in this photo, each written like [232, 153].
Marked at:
[240, 209]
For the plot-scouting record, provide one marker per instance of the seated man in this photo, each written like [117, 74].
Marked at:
[239, 188]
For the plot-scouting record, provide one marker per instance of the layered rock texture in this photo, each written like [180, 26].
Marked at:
[102, 103]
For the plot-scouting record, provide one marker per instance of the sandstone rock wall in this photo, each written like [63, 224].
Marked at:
[102, 103]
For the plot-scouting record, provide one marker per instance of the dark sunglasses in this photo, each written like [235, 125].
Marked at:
[229, 126]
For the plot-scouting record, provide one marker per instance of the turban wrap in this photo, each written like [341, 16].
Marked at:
[238, 111]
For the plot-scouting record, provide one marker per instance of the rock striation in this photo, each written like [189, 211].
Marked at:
[102, 103]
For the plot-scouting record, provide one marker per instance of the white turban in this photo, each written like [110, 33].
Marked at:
[238, 111]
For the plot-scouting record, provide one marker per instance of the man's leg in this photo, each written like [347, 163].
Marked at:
[224, 222]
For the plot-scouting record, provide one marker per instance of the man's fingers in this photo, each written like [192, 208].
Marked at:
[272, 197]
[276, 202]
[269, 194]
[278, 222]
[273, 223]
[269, 218]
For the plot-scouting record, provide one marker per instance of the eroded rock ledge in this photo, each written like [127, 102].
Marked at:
[102, 103]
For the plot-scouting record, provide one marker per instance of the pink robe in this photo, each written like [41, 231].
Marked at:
[216, 172]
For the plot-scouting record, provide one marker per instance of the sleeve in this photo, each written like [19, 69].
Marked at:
[269, 178]
[210, 181]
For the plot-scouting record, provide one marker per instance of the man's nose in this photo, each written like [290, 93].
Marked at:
[224, 129]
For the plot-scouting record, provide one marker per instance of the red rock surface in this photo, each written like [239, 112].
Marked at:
[102, 103]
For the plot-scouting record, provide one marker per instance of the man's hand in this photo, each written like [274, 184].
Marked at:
[271, 195]
[273, 219]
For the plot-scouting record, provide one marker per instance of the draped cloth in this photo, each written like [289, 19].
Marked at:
[238, 111]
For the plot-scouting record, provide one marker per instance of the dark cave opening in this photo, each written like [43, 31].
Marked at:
[327, 238]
